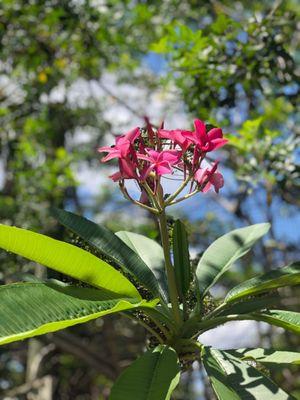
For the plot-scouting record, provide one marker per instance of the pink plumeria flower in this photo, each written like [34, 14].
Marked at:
[178, 136]
[206, 141]
[123, 146]
[161, 162]
[116, 176]
[209, 177]
[127, 170]
[146, 155]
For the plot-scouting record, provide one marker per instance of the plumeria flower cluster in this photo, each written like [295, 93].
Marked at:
[147, 154]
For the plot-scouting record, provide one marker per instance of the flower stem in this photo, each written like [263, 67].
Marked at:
[138, 203]
[187, 196]
[169, 267]
[179, 190]
[151, 196]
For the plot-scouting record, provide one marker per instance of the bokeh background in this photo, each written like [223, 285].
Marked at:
[75, 73]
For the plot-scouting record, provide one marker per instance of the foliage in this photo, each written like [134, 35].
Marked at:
[49, 49]
[231, 53]
[174, 326]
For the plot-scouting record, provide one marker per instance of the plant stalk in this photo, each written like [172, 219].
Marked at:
[169, 267]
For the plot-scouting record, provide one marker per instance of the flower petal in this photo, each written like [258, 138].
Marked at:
[200, 131]
[105, 149]
[132, 135]
[165, 134]
[143, 157]
[111, 155]
[163, 168]
[217, 143]
[116, 176]
[154, 155]
[217, 180]
[171, 156]
[206, 187]
[215, 133]
[200, 175]
[127, 168]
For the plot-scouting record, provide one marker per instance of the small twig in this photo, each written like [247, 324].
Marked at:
[128, 197]
[29, 386]
[151, 195]
[178, 191]
[187, 196]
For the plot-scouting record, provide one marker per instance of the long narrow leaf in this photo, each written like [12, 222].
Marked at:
[65, 258]
[181, 258]
[241, 380]
[217, 377]
[286, 276]
[150, 252]
[268, 357]
[222, 253]
[109, 244]
[153, 376]
[31, 309]
[252, 305]
[289, 320]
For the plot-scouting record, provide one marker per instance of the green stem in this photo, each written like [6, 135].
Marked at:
[216, 311]
[169, 267]
[178, 191]
[152, 197]
[187, 196]
[162, 328]
[128, 197]
[156, 317]
[165, 316]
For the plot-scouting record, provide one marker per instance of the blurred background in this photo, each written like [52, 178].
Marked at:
[75, 73]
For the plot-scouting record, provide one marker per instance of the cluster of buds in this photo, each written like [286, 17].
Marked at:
[147, 154]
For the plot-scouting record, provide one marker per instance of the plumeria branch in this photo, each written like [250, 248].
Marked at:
[145, 156]
[169, 267]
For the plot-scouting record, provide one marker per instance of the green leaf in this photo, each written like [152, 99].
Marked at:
[181, 258]
[153, 376]
[286, 276]
[217, 377]
[222, 253]
[150, 252]
[251, 128]
[289, 320]
[31, 309]
[233, 379]
[109, 244]
[65, 258]
[251, 305]
[268, 356]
